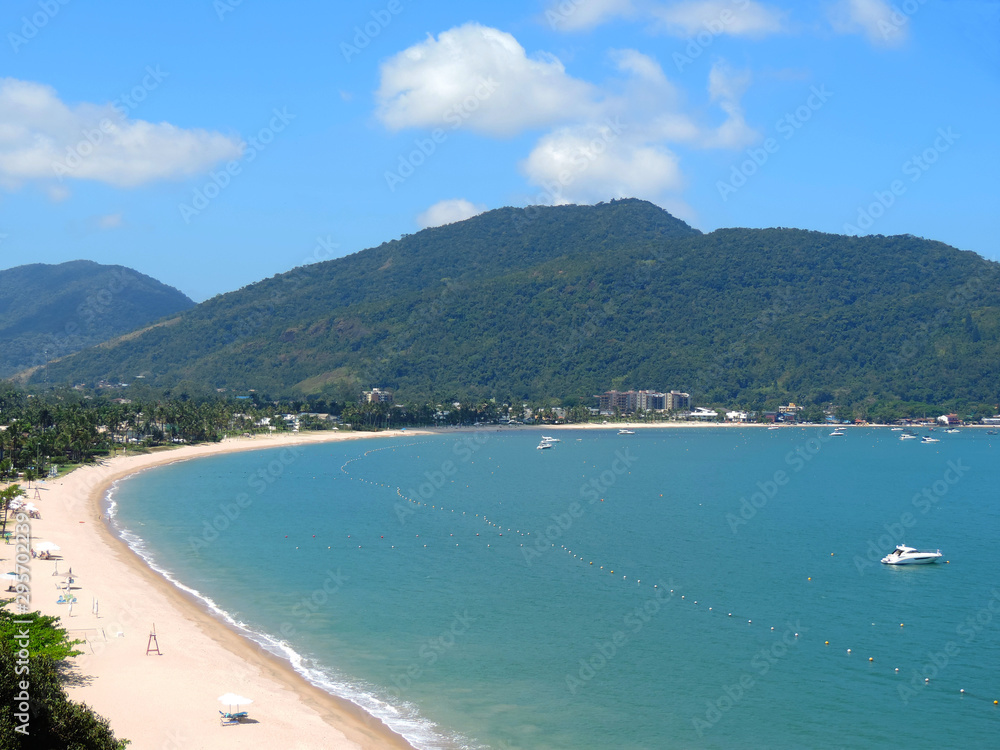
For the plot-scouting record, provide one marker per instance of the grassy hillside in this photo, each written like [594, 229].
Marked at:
[50, 311]
[569, 301]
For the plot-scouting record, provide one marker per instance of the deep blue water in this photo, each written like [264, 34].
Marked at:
[460, 586]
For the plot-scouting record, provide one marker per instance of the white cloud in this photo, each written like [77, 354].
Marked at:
[448, 212]
[42, 138]
[576, 15]
[717, 17]
[640, 65]
[883, 26]
[727, 88]
[588, 163]
[614, 140]
[481, 78]
[111, 221]
[57, 193]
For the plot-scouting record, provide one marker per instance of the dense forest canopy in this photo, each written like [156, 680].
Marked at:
[50, 311]
[565, 302]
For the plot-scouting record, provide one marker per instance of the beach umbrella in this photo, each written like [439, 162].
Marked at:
[47, 547]
[11, 578]
[232, 699]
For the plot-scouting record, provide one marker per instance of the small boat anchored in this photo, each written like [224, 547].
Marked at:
[928, 439]
[904, 555]
[626, 432]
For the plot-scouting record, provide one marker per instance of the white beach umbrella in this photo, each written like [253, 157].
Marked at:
[232, 699]
[47, 547]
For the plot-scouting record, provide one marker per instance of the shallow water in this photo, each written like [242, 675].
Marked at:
[461, 587]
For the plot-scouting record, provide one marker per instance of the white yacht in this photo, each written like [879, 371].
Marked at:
[929, 439]
[543, 446]
[896, 429]
[626, 432]
[837, 433]
[907, 436]
[952, 431]
[904, 555]
[547, 439]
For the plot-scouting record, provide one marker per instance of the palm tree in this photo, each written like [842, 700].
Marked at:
[7, 495]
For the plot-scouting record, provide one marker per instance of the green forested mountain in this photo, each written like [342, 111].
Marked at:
[49, 311]
[569, 301]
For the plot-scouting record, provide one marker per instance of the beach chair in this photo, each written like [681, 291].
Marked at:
[234, 717]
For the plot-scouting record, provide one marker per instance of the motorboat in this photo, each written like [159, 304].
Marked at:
[626, 432]
[929, 439]
[547, 439]
[952, 431]
[907, 436]
[904, 555]
[896, 429]
[543, 446]
[837, 433]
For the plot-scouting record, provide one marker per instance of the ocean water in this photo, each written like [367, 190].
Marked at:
[688, 588]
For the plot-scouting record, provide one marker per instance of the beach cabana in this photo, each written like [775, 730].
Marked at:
[232, 699]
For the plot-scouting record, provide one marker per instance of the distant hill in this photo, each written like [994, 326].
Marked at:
[50, 311]
[569, 301]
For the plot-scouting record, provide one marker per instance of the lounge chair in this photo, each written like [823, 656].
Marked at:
[233, 718]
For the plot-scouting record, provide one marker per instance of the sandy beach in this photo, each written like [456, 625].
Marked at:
[168, 701]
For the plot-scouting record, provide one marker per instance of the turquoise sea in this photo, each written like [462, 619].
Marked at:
[675, 588]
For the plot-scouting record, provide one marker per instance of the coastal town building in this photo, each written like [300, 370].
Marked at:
[376, 396]
[628, 402]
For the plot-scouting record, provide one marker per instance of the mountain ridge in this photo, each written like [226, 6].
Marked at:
[49, 311]
[568, 301]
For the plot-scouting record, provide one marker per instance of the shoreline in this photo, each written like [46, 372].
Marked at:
[161, 701]
[169, 701]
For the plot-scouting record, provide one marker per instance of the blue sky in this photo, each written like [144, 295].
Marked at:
[213, 143]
